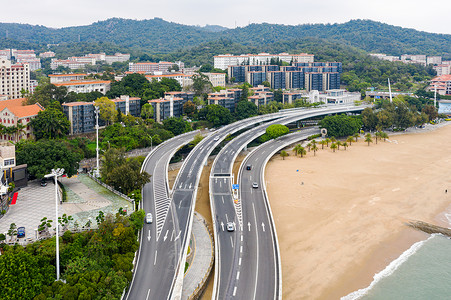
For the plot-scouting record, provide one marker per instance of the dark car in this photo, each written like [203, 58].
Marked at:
[43, 182]
[248, 167]
[21, 232]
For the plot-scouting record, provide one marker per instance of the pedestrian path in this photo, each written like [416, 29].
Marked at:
[201, 259]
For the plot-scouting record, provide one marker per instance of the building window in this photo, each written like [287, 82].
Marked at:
[9, 162]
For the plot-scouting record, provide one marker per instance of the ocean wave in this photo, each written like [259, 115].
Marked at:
[387, 271]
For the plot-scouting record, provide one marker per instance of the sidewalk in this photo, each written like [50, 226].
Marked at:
[202, 258]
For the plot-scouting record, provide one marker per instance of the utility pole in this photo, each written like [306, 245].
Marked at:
[97, 172]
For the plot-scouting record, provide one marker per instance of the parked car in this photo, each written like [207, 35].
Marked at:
[255, 185]
[149, 218]
[21, 232]
[43, 182]
[230, 226]
[216, 138]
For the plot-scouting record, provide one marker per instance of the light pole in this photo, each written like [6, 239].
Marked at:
[150, 142]
[55, 174]
[97, 173]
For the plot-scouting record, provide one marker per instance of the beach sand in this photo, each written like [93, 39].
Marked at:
[340, 219]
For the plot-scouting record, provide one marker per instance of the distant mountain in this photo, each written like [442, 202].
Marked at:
[158, 36]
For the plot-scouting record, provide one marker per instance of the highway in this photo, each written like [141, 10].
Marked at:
[149, 277]
[234, 272]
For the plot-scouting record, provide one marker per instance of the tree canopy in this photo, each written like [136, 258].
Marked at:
[50, 123]
[341, 125]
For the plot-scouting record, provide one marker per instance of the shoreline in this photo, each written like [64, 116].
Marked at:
[387, 242]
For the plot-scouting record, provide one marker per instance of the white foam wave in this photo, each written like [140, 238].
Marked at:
[387, 271]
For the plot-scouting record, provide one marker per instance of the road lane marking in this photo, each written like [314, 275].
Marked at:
[239, 262]
[263, 226]
[234, 291]
[172, 235]
[222, 226]
[238, 275]
[148, 237]
[155, 260]
[165, 236]
[241, 249]
[256, 271]
[148, 293]
[178, 235]
[241, 237]
[231, 241]
[227, 218]
[249, 226]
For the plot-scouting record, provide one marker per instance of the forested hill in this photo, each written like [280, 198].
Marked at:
[159, 36]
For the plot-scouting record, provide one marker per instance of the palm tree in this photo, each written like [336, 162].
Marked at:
[384, 136]
[333, 139]
[333, 146]
[302, 151]
[378, 135]
[356, 136]
[338, 145]
[284, 154]
[345, 145]
[327, 141]
[296, 149]
[309, 145]
[322, 143]
[314, 149]
[350, 139]
[20, 128]
[368, 138]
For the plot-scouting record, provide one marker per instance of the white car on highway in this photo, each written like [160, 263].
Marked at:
[149, 218]
[230, 226]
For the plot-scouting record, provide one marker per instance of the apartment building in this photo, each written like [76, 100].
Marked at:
[14, 113]
[291, 97]
[71, 64]
[13, 78]
[433, 60]
[86, 86]
[48, 54]
[118, 57]
[167, 107]
[183, 79]
[82, 114]
[226, 60]
[83, 59]
[226, 98]
[186, 96]
[149, 67]
[442, 69]
[216, 79]
[261, 98]
[59, 78]
[442, 84]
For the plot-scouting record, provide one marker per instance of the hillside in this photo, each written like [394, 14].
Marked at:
[159, 36]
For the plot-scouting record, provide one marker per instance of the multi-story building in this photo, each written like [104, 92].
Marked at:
[14, 113]
[255, 78]
[183, 79]
[128, 105]
[71, 64]
[5, 54]
[186, 96]
[442, 69]
[216, 79]
[118, 57]
[47, 54]
[224, 100]
[226, 60]
[276, 79]
[167, 107]
[33, 63]
[82, 114]
[294, 79]
[86, 86]
[83, 59]
[149, 67]
[434, 60]
[59, 78]
[442, 84]
[291, 97]
[335, 96]
[13, 79]
[33, 85]
[261, 98]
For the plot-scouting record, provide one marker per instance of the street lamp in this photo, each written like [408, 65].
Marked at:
[150, 142]
[97, 173]
[55, 174]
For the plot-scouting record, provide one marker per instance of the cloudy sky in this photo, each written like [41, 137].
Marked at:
[420, 15]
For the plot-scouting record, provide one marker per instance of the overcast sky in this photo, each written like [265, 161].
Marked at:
[421, 15]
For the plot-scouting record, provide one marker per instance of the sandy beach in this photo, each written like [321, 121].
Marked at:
[340, 218]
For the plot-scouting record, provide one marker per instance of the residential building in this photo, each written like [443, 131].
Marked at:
[186, 96]
[128, 105]
[434, 60]
[81, 116]
[86, 86]
[226, 60]
[259, 89]
[5, 54]
[276, 79]
[442, 84]
[71, 64]
[13, 112]
[47, 54]
[291, 97]
[216, 79]
[118, 57]
[294, 79]
[83, 59]
[238, 73]
[59, 78]
[33, 85]
[255, 78]
[33, 63]
[167, 107]
[13, 78]
[442, 69]
[149, 67]
[224, 100]
[335, 96]
[183, 79]
[261, 98]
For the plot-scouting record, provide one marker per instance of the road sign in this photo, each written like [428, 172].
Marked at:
[235, 186]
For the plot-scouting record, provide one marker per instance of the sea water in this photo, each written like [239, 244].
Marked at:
[421, 272]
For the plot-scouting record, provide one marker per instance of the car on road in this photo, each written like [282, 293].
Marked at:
[230, 226]
[249, 167]
[216, 138]
[149, 218]
[43, 182]
[255, 185]
[21, 232]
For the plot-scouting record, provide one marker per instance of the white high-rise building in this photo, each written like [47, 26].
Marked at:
[13, 78]
[226, 60]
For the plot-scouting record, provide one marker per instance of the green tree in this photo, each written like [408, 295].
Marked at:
[43, 155]
[345, 145]
[47, 94]
[283, 154]
[12, 231]
[368, 138]
[322, 143]
[333, 146]
[369, 119]
[314, 149]
[147, 111]
[189, 108]
[245, 109]
[296, 149]
[107, 109]
[201, 84]
[176, 125]
[50, 123]
[430, 111]
[384, 136]
[341, 125]
[350, 139]
[216, 115]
